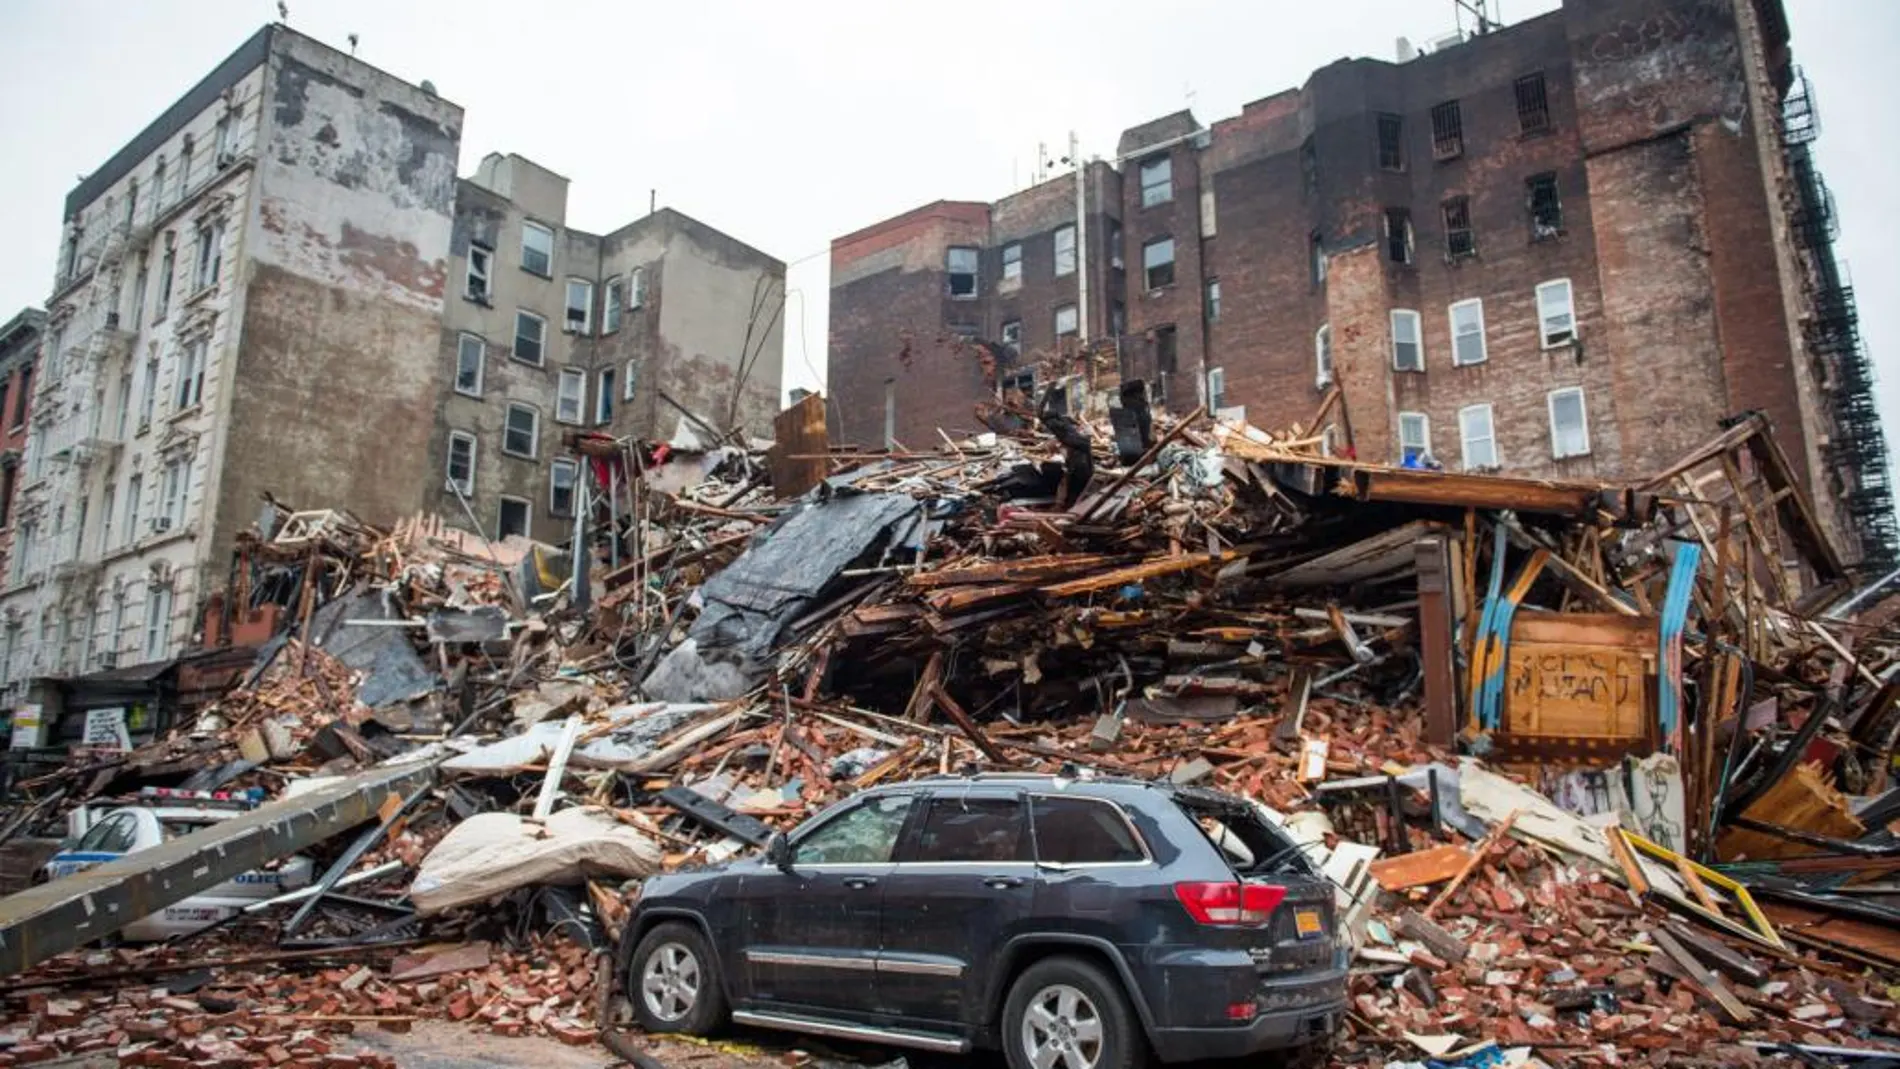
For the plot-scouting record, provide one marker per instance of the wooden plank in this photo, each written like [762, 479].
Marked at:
[1586, 629]
[1477, 855]
[1433, 562]
[1136, 573]
[1030, 570]
[1420, 487]
[1420, 868]
[798, 433]
[967, 725]
[1718, 955]
[1378, 555]
[1626, 860]
[1737, 1011]
[1696, 887]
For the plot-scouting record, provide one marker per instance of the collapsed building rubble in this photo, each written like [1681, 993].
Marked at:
[1603, 773]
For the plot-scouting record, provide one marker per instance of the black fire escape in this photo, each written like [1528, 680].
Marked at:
[1857, 448]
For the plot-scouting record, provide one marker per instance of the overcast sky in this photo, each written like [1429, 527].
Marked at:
[788, 124]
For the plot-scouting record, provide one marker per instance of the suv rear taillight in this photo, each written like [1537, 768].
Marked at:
[1234, 905]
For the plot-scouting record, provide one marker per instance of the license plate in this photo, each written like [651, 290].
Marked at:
[1307, 922]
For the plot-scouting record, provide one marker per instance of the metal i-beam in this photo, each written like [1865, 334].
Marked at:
[56, 917]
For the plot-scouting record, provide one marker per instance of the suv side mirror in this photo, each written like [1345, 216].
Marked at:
[778, 852]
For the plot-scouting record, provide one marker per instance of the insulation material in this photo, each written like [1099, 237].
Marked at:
[490, 854]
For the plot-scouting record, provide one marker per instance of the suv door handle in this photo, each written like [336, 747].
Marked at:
[1002, 882]
[859, 883]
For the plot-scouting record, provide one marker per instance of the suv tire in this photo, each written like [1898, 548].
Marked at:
[673, 982]
[1066, 1013]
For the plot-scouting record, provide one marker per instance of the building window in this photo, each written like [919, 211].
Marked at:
[519, 432]
[1115, 246]
[1467, 332]
[1216, 389]
[177, 485]
[1066, 322]
[1021, 382]
[1013, 262]
[537, 250]
[8, 475]
[580, 306]
[134, 500]
[110, 505]
[1569, 426]
[563, 476]
[1117, 319]
[1533, 104]
[471, 353]
[1213, 300]
[167, 267]
[461, 466]
[1157, 181]
[636, 287]
[1309, 168]
[633, 377]
[210, 255]
[1065, 250]
[1316, 250]
[1408, 344]
[221, 139]
[475, 286]
[1556, 314]
[1460, 242]
[960, 267]
[612, 296]
[1448, 131]
[1329, 440]
[1166, 350]
[158, 186]
[139, 283]
[131, 202]
[184, 166]
[570, 396]
[1415, 437]
[122, 422]
[191, 374]
[1323, 356]
[1157, 263]
[1013, 336]
[604, 398]
[531, 333]
[1398, 235]
[1477, 438]
[1547, 214]
[1208, 224]
[512, 518]
[158, 621]
[148, 400]
[1391, 142]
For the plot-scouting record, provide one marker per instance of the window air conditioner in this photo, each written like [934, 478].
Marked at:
[161, 524]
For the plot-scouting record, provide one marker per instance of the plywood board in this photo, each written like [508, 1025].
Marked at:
[1420, 868]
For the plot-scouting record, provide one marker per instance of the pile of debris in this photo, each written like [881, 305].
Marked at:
[1602, 773]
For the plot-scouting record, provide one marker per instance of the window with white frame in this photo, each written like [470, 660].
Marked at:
[158, 621]
[636, 287]
[1066, 321]
[471, 353]
[531, 334]
[537, 250]
[1323, 356]
[167, 267]
[108, 506]
[1556, 313]
[148, 401]
[570, 396]
[1157, 181]
[604, 398]
[612, 297]
[461, 462]
[1467, 332]
[1013, 263]
[1477, 438]
[475, 285]
[960, 270]
[1212, 302]
[134, 492]
[1329, 440]
[123, 420]
[1415, 436]
[1216, 389]
[512, 517]
[1208, 228]
[1569, 423]
[177, 488]
[633, 377]
[563, 476]
[1157, 263]
[210, 255]
[1408, 342]
[520, 430]
[190, 387]
[1065, 250]
[580, 306]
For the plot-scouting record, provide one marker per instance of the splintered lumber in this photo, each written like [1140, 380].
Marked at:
[1414, 925]
[966, 725]
[1477, 855]
[1803, 800]
[1420, 868]
[1028, 570]
[1718, 991]
[1717, 954]
[1136, 573]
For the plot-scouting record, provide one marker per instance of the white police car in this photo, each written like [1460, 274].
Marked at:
[159, 815]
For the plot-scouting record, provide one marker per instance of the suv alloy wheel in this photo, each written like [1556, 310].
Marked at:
[1066, 1013]
[674, 981]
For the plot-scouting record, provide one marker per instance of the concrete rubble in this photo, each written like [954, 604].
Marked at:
[1603, 773]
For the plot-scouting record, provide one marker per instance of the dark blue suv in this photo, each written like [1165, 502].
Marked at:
[1075, 923]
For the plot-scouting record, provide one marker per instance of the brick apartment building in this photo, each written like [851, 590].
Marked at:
[19, 356]
[1569, 248]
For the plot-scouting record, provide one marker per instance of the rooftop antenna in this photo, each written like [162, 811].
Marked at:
[1481, 12]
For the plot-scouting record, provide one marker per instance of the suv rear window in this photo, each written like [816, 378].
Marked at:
[972, 829]
[1083, 831]
[1243, 836]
